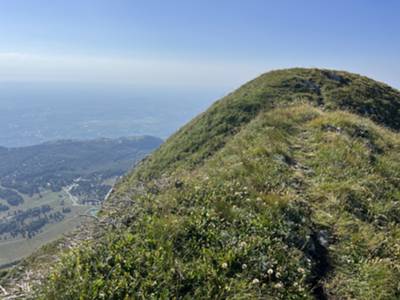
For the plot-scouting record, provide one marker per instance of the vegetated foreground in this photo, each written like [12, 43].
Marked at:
[288, 188]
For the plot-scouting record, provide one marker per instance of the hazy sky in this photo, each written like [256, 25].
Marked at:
[194, 43]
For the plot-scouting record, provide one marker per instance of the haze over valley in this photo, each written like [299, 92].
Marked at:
[32, 113]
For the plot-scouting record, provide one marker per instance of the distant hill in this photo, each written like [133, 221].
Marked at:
[287, 188]
[53, 165]
[48, 186]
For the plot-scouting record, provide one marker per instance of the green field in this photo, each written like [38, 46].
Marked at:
[12, 250]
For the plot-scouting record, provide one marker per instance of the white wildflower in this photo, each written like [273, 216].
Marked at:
[224, 265]
[279, 285]
[270, 271]
[255, 281]
[242, 244]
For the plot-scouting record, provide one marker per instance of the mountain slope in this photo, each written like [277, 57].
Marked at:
[334, 90]
[287, 188]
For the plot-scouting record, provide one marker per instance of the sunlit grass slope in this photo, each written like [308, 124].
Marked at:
[288, 188]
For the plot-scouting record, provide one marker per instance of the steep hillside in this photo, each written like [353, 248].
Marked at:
[288, 188]
[207, 133]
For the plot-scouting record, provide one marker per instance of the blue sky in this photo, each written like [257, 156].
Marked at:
[199, 44]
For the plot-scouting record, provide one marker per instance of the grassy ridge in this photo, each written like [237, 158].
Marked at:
[285, 189]
[207, 133]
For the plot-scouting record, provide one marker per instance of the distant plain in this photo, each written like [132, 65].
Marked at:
[35, 113]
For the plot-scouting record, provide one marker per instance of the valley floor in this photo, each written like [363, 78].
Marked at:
[14, 249]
